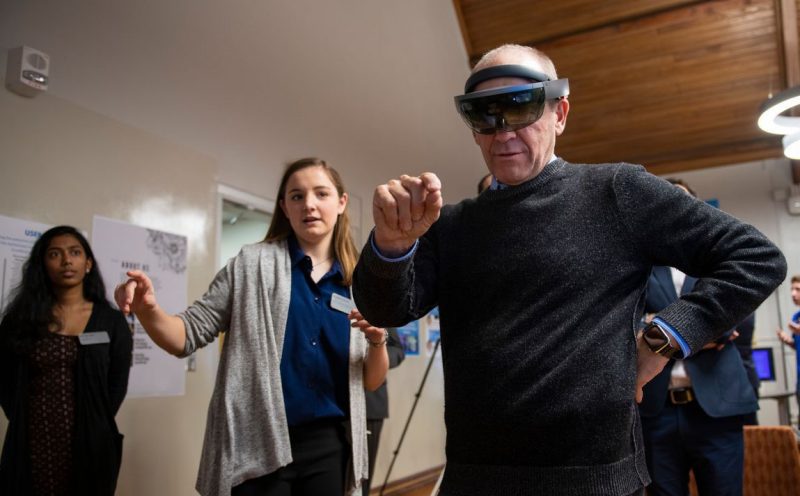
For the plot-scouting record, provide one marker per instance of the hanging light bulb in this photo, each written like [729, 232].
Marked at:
[771, 120]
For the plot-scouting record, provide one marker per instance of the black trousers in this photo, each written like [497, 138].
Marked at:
[684, 437]
[320, 453]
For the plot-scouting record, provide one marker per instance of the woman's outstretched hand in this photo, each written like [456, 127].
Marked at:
[136, 294]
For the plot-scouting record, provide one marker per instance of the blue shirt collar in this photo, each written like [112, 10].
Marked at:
[299, 257]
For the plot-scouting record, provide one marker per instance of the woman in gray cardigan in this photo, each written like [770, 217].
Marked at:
[287, 413]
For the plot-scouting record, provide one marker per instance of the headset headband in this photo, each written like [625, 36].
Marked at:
[497, 71]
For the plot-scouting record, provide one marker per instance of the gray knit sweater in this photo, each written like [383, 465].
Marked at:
[246, 431]
[540, 290]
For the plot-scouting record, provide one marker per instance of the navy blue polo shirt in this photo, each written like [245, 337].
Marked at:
[314, 363]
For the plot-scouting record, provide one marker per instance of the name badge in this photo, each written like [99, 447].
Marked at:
[341, 303]
[98, 337]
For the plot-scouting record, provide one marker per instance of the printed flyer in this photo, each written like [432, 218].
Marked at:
[17, 237]
[120, 247]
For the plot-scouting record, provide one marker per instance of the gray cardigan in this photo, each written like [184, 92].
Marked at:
[246, 431]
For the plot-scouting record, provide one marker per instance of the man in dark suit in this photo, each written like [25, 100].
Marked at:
[744, 344]
[378, 406]
[694, 410]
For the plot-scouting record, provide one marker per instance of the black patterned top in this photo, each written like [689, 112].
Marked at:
[52, 413]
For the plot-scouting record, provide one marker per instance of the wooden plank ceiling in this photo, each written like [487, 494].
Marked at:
[670, 84]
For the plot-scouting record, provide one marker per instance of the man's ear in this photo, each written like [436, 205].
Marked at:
[562, 109]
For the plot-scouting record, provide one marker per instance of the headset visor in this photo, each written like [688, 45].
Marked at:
[508, 108]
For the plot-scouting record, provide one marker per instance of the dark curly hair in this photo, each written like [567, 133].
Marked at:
[29, 315]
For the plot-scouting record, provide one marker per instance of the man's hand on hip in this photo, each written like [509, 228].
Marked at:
[648, 365]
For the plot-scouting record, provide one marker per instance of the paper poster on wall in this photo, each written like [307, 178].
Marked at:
[120, 247]
[432, 325]
[409, 338]
[17, 237]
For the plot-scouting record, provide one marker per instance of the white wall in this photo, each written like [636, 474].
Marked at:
[366, 85]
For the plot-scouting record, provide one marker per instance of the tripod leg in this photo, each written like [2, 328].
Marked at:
[438, 483]
[411, 414]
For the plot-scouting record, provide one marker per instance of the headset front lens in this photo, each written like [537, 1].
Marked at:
[502, 109]
[513, 108]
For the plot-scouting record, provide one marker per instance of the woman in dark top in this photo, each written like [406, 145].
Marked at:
[65, 356]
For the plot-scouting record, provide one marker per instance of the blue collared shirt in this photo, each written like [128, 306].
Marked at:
[314, 363]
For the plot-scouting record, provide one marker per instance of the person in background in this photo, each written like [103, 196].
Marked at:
[744, 344]
[287, 413]
[792, 338]
[65, 357]
[540, 285]
[378, 407]
[694, 410]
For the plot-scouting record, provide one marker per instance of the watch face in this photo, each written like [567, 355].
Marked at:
[658, 340]
[655, 335]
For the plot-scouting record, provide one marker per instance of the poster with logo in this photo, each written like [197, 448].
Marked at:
[433, 331]
[120, 247]
[409, 338]
[17, 237]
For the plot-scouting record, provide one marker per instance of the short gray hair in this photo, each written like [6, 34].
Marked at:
[490, 58]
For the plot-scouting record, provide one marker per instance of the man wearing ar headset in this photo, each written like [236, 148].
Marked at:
[540, 285]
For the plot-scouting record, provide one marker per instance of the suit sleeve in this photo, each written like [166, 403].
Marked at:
[737, 266]
[395, 349]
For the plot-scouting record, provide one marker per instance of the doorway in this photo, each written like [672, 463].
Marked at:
[244, 219]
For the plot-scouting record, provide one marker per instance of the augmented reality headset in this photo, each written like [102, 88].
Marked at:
[507, 108]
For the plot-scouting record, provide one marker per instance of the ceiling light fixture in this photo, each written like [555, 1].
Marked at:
[791, 145]
[771, 120]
